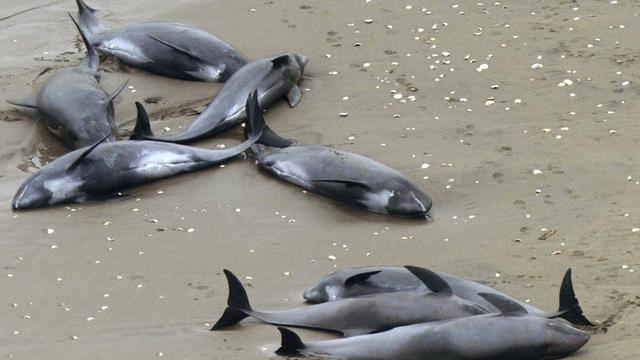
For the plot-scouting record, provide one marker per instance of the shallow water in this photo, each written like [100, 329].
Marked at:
[503, 149]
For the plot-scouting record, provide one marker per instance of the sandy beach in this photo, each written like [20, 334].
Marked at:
[515, 116]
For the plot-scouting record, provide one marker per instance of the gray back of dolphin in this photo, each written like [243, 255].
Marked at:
[355, 282]
[345, 177]
[274, 77]
[168, 49]
[73, 105]
[482, 337]
[103, 171]
[361, 315]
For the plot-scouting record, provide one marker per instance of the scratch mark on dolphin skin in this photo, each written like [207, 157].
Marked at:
[26, 11]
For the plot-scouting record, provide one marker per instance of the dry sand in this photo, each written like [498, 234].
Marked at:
[108, 283]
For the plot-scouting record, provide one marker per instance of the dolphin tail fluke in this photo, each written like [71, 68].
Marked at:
[569, 304]
[88, 21]
[92, 61]
[238, 303]
[230, 317]
[254, 115]
[143, 126]
[291, 344]
[254, 126]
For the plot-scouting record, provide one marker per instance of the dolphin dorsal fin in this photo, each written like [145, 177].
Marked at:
[359, 278]
[431, 280]
[281, 61]
[504, 304]
[86, 153]
[143, 127]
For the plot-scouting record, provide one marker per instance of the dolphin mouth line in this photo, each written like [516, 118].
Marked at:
[422, 207]
[17, 200]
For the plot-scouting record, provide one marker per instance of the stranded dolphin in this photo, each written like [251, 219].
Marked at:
[354, 282]
[273, 77]
[73, 105]
[512, 335]
[361, 315]
[339, 175]
[101, 171]
[164, 48]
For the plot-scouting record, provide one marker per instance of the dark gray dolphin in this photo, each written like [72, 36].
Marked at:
[339, 175]
[355, 282]
[168, 49]
[274, 77]
[512, 335]
[102, 171]
[73, 105]
[356, 316]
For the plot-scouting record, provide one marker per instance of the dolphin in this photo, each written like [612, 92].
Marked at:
[513, 334]
[356, 316]
[103, 170]
[72, 103]
[273, 77]
[355, 282]
[342, 176]
[168, 49]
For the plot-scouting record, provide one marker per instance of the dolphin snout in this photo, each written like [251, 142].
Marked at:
[312, 295]
[570, 340]
[304, 59]
[577, 339]
[411, 205]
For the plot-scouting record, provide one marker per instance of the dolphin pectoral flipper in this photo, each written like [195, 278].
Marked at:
[344, 182]
[504, 304]
[360, 278]
[117, 92]
[291, 343]
[28, 102]
[86, 153]
[175, 47]
[294, 95]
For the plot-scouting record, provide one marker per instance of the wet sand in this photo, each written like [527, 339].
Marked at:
[143, 278]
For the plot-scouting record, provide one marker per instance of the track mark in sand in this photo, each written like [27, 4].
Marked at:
[622, 303]
[12, 115]
[191, 108]
[26, 11]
